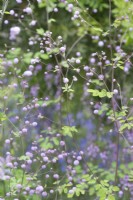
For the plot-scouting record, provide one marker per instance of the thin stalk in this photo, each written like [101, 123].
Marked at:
[113, 100]
[4, 188]
[5, 4]
[74, 44]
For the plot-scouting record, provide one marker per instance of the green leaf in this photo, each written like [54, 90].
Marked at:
[55, 140]
[98, 186]
[42, 4]
[102, 192]
[82, 192]
[106, 33]
[124, 126]
[44, 56]
[54, 51]
[130, 119]
[7, 13]
[51, 20]
[70, 195]
[121, 67]
[27, 57]
[3, 116]
[77, 192]
[115, 189]
[45, 143]
[40, 31]
[65, 190]
[97, 29]
[67, 88]
[109, 94]
[116, 23]
[87, 177]
[20, 98]
[67, 130]
[24, 158]
[16, 134]
[105, 183]
[64, 64]
[16, 52]
[49, 102]
[111, 197]
[103, 108]
[94, 92]
[91, 191]
[101, 94]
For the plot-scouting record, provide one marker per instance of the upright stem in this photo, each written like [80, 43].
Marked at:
[117, 141]
[4, 6]
[113, 100]
[117, 126]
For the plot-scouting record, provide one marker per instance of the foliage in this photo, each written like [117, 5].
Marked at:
[66, 99]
